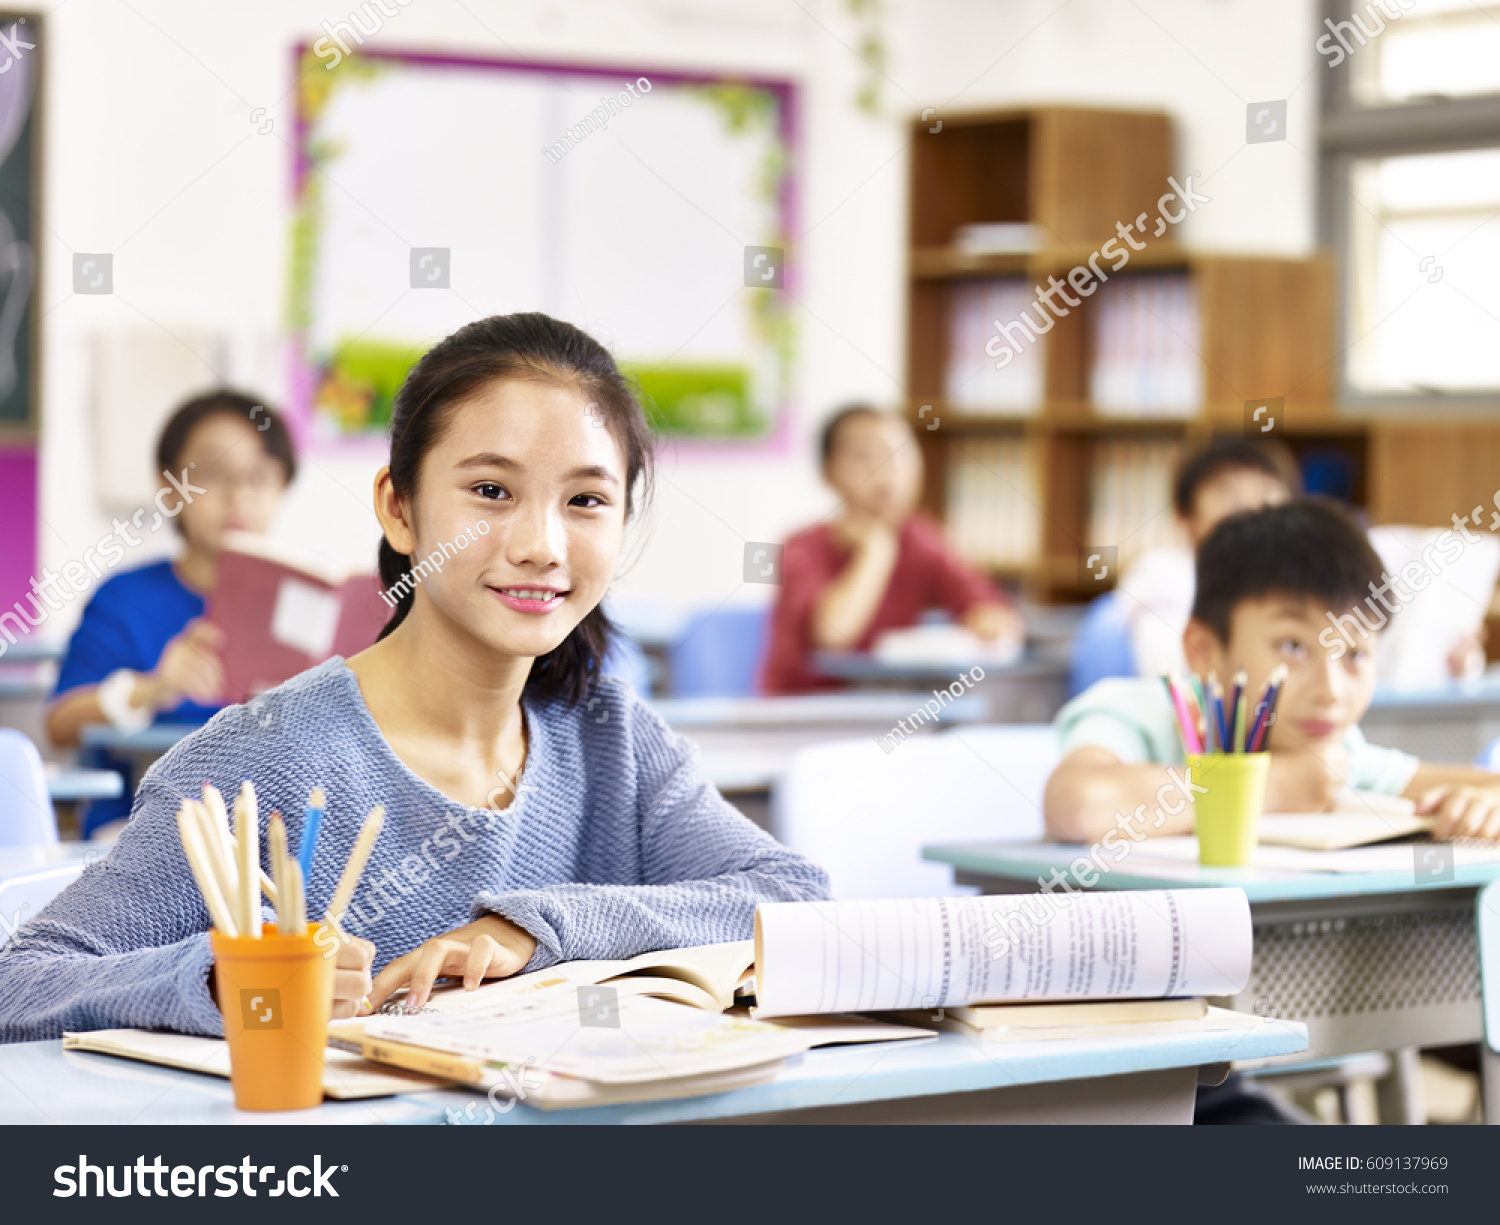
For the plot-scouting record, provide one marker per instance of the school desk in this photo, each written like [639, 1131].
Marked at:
[69, 784]
[1030, 690]
[1368, 960]
[952, 1079]
[1454, 722]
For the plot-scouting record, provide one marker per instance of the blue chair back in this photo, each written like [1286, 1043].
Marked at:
[627, 662]
[1101, 645]
[719, 654]
[26, 816]
[1489, 757]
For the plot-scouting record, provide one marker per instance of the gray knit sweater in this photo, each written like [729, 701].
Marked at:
[614, 846]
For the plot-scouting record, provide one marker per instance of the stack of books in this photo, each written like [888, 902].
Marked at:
[1130, 495]
[972, 384]
[1148, 343]
[994, 501]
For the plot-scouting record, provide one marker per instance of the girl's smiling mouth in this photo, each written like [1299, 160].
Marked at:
[530, 599]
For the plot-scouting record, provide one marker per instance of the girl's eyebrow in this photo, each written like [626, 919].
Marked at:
[492, 459]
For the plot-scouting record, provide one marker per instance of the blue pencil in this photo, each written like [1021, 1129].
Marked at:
[312, 822]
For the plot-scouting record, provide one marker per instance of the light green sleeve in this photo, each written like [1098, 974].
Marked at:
[1129, 716]
[1373, 768]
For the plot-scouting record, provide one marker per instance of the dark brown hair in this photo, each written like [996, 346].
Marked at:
[274, 437]
[1308, 547]
[1230, 454]
[828, 439]
[535, 347]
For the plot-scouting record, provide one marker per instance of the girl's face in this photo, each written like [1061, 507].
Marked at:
[224, 456]
[526, 489]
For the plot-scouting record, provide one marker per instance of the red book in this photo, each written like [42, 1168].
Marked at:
[283, 611]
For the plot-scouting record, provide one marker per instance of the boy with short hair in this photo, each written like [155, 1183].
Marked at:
[877, 565]
[1295, 584]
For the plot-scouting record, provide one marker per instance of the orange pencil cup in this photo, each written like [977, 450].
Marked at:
[275, 995]
[1226, 817]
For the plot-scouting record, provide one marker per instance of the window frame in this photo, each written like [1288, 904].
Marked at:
[1350, 132]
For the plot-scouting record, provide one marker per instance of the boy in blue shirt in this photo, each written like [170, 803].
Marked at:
[1296, 584]
[141, 653]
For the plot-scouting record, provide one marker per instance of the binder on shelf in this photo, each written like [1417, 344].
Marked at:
[973, 382]
[1148, 341]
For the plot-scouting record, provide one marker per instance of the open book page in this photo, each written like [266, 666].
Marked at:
[1212, 1020]
[904, 953]
[703, 977]
[1337, 831]
[641, 1040]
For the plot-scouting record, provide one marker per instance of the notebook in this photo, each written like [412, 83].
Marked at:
[283, 611]
[1212, 1020]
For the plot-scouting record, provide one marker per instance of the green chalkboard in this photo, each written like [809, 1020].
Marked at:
[21, 46]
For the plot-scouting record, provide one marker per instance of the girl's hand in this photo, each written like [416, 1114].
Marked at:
[490, 947]
[351, 977]
[1462, 811]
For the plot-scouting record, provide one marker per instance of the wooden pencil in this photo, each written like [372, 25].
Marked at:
[355, 867]
[195, 852]
[247, 846]
[276, 846]
[220, 861]
[215, 804]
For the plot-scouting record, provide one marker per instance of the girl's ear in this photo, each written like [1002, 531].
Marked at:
[392, 511]
[1202, 648]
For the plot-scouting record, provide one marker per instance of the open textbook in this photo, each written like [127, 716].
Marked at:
[909, 953]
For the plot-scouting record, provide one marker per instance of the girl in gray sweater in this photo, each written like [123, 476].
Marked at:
[535, 811]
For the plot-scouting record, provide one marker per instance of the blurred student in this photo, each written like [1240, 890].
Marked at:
[1290, 584]
[878, 565]
[141, 653]
[1224, 477]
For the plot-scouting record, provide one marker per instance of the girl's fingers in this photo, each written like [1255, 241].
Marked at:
[482, 952]
[1428, 801]
[392, 978]
[351, 984]
[432, 960]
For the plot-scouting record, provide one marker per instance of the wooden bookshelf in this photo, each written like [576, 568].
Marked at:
[1265, 330]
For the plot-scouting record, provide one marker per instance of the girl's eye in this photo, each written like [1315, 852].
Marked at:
[586, 500]
[490, 492]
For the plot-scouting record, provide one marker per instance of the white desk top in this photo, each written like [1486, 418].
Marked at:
[42, 1083]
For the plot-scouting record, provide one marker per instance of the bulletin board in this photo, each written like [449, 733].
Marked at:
[634, 228]
[20, 142]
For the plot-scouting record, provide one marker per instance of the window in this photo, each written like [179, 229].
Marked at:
[1410, 198]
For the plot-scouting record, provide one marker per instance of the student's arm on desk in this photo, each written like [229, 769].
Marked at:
[1465, 800]
[1091, 789]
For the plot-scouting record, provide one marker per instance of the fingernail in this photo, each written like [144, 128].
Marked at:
[470, 984]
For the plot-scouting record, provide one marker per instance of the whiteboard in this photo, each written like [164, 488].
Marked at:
[635, 230]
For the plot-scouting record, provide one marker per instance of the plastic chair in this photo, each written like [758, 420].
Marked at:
[719, 654]
[1101, 645]
[864, 814]
[22, 897]
[26, 816]
[1489, 756]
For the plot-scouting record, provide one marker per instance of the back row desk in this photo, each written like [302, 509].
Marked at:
[746, 743]
[1366, 960]
[949, 1079]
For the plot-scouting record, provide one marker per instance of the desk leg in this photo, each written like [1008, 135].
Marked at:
[1399, 1095]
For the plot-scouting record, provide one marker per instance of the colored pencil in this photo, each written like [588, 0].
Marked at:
[1261, 732]
[312, 824]
[1234, 712]
[1185, 730]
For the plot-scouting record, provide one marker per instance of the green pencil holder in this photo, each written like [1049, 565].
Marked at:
[1226, 817]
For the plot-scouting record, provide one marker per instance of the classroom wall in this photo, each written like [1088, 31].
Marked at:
[152, 155]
